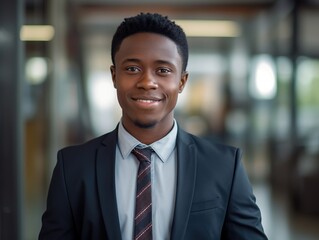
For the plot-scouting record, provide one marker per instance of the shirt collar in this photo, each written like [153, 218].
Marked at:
[163, 147]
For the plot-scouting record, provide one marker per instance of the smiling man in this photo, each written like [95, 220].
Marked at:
[148, 76]
[149, 179]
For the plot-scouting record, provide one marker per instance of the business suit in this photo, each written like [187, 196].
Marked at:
[213, 199]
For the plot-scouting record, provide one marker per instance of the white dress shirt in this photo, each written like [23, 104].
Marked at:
[164, 177]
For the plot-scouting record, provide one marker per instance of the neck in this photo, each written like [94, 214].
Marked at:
[148, 135]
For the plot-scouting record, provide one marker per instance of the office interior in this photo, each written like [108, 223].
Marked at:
[254, 84]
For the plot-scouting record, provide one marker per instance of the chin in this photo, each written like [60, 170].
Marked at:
[149, 124]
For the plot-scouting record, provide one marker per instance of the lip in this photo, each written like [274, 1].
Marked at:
[146, 102]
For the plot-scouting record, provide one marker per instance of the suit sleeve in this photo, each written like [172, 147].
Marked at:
[243, 217]
[57, 220]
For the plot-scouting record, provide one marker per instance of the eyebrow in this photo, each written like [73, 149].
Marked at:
[130, 60]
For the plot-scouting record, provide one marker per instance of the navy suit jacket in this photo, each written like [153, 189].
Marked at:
[214, 199]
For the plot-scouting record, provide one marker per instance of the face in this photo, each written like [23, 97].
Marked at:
[148, 77]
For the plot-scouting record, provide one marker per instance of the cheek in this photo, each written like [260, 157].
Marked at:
[120, 95]
[173, 90]
[173, 95]
[122, 86]
[125, 82]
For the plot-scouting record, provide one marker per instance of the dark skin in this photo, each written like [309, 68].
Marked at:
[148, 77]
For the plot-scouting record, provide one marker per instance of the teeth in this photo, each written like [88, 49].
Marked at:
[146, 100]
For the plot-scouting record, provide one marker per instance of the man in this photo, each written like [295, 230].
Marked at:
[193, 189]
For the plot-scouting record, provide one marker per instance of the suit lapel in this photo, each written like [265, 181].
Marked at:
[105, 168]
[186, 174]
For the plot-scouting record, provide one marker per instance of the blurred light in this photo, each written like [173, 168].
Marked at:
[202, 64]
[263, 83]
[101, 91]
[209, 28]
[36, 33]
[104, 109]
[36, 70]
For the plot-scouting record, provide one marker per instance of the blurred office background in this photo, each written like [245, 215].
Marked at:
[254, 83]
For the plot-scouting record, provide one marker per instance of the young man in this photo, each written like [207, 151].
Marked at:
[183, 187]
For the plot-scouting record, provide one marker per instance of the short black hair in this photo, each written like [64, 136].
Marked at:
[153, 23]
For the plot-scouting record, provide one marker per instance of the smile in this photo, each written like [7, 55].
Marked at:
[147, 100]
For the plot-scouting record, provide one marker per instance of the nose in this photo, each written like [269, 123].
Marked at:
[147, 81]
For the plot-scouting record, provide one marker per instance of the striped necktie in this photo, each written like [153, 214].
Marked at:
[143, 207]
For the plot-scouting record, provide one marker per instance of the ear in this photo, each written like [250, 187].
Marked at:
[113, 74]
[183, 81]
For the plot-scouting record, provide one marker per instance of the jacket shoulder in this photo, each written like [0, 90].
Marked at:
[209, 147]
[88, 149]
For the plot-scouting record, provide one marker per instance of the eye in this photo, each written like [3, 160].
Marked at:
[164, 71]
[132, 69]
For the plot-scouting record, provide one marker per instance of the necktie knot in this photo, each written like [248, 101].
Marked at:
[143, 154]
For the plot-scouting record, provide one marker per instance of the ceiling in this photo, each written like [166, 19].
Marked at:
[99, 13]
[175, 2]
[100, 16]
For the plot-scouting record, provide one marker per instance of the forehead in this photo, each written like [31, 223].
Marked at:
[148, 46]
